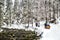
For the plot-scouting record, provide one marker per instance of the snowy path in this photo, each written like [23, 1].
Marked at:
[53, 33]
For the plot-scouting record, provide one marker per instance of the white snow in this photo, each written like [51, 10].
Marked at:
[53, 33]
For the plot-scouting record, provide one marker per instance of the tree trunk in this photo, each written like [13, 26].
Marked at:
[1, 18]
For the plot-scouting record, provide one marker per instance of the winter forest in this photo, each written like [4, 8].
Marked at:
[29, 19]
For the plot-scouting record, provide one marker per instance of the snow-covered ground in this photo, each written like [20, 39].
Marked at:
[53, 33]
[48, 34]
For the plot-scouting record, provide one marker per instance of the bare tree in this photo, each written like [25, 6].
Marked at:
[1, 17]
